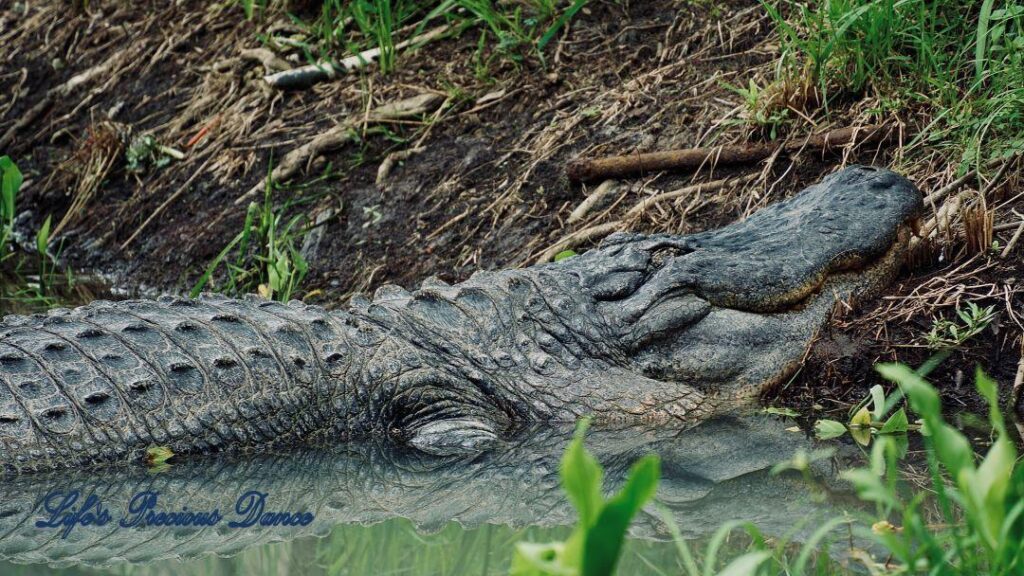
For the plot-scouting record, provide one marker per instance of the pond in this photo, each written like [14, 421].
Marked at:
[375, 510]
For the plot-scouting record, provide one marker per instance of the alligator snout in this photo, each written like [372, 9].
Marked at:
[642, 328]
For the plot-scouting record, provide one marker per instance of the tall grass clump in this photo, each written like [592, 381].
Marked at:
[956, 69]
[264, 257]
[511, 30]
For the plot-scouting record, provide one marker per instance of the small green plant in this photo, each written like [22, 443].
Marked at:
[982, 504]
[10, 183]
[145, 151]
[949, 334]
[266, 257]
[595, 544]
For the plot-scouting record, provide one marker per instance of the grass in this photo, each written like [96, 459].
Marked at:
[954, 71]
[979, 528]
[513, 30]
[264, 257]
[29, 281]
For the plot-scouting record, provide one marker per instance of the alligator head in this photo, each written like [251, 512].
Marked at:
[643, 328]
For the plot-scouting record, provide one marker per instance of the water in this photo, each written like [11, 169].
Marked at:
[380, 511]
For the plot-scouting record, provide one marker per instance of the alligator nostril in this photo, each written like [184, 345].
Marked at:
[97, 398]
[56, 413]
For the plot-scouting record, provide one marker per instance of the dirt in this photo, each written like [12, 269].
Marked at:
[489, 189]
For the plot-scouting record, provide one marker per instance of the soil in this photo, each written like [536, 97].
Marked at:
[487, 191]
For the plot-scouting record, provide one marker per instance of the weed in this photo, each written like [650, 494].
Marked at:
[949, 334]
[595, 544]
[263, 257]
[959, 63]
[10, 183]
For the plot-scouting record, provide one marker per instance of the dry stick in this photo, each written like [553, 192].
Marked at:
[339, 135]
[166, 203]
[583, 169]
[62, 91]
[1013, 240]
[580, 236]
[972, 173]
[604, 190]
[1018, 382]
[646, 203]
[306, 76]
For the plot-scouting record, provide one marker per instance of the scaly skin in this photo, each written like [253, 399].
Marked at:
[645, 328]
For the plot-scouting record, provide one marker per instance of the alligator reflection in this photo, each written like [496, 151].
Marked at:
[715, 472]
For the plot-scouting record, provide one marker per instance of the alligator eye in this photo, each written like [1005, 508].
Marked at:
[442, 415]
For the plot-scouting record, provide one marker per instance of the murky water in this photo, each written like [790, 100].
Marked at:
[372, 510]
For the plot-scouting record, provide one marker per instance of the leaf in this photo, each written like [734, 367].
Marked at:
[10, 183]
[746, 565]
[157, 455]
[43, 236]
[532, 559]
[862, 419]
[828, 429]
[564, 254]
[896, 423]
[782, 412]
[604, 539]
[861, 435]
[878, 402]
[582, 478]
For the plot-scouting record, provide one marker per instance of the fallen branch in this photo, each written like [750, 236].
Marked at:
[64, 90]
[583, 169]
[598, 196]
[306, 76]
[1018, 383]
[1013, 240]
[271, 62]
[577, 238]
[395, 157]
[339, 135]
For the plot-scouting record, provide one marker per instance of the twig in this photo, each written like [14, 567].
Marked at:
[1018, 383]
[690, 158]
[339, 135]
[597, 197]
[577, 238]
[646, 203]
[306, 76]
[395, 157]
[271, 62]
[177, 193]
[1013, 240]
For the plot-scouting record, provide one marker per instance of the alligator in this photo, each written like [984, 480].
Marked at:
[717, 471]
[655, 328]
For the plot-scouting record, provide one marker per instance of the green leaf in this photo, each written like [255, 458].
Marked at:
[862, 419]
[828, 429]
[582, 478]
[532, 559]
[43, 237]
[878, 402]
[564, 254]
[782, 412]
[10, 183]
[157, 455]
[604, 539]
[896, 423]
[746, 565]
